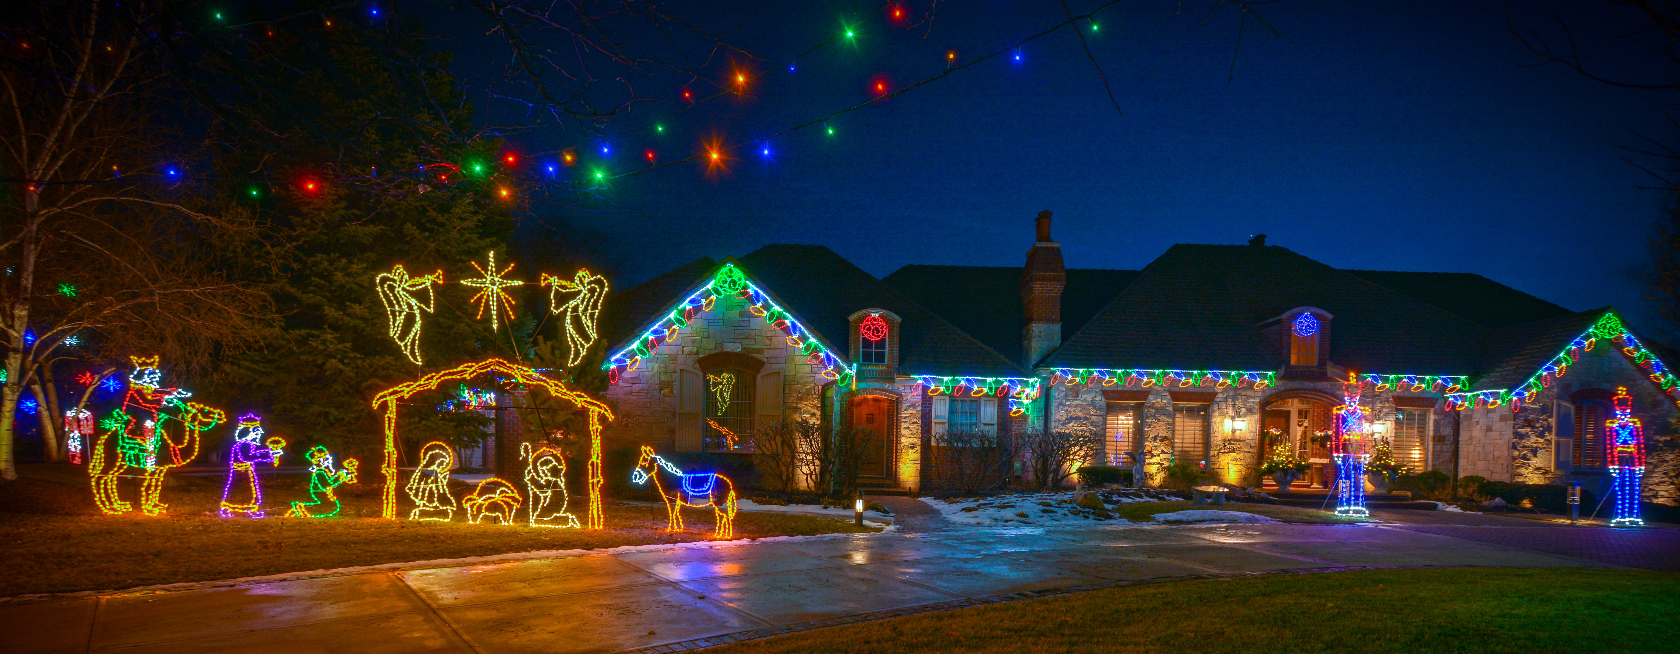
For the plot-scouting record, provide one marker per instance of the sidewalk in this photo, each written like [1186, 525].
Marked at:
[675, 597]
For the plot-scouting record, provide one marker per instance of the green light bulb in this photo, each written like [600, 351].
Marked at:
[848, 34]
[218, 15]
[597, 175]
[1093, 27]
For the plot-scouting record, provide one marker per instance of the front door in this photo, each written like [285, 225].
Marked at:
[869, 420]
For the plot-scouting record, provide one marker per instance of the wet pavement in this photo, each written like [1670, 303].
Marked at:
[680, 598]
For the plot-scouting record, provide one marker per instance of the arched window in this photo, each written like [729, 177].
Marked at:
[872, 339]
[1303, 340]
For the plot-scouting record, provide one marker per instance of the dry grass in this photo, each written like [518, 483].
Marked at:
[1370, 612]
[56, 541]
[1146, 511]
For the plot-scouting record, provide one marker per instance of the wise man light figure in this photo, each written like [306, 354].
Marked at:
[242, 493]
[1351, 449]
[1627, 460]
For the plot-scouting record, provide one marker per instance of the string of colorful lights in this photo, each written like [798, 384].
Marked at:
[1609, 327]
[1145, 378]
[729, 282]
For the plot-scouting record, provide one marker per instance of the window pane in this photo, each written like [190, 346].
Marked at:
[1410, 430]
[1190, 433]
[729, 411]
[1122, 419]
[965, 415]
[873, 351]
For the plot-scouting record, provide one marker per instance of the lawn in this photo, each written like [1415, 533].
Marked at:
[1402, 611]
[56, 541]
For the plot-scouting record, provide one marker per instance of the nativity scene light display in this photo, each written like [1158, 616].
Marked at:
[158, 429]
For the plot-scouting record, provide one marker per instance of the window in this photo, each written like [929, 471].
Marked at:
[1190, 433]
[1589, 429]
[965, 415]
[1411, 427]
[872, 340]
[1303, 340]
[729, 410]
[1122, 437]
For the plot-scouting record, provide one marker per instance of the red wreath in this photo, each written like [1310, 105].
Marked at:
[873, 328]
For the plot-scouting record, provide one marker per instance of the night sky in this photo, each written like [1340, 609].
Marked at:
[1387, 135]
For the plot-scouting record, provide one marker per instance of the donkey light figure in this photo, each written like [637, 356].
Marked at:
[680, 489]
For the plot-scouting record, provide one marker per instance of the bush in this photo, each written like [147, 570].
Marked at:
[1550, 497]
[1467, 485]
[1098, 475]
[1183, 475]
[1431, 485]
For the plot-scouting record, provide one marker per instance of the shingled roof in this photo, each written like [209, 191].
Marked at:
[1200, 307]
[1470, 296]
[822, 290]
[1516, 353]
[985, 301]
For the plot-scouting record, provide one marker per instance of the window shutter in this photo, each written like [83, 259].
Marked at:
[1563, 439]
[690, 387]
[941, 413]
[769, 398]
[988, 415]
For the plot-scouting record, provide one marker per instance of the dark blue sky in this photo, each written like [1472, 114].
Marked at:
[1387, 135]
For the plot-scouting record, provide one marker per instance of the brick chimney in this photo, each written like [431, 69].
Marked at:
[1041, 295]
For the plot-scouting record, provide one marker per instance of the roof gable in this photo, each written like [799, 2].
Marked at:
[715, 291]
[1540, 351]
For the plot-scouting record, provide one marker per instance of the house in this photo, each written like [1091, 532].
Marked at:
[1190, 359]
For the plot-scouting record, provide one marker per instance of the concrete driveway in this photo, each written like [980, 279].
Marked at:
[680, 598]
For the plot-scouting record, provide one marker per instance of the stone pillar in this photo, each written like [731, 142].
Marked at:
[1157, 437]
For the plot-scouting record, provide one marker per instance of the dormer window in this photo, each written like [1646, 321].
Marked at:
[1303, 340]
[872, 340]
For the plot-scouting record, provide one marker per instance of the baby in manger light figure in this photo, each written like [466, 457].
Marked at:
[1627, 460]
[242, 494]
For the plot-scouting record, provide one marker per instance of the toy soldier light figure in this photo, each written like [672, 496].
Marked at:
[1351, 449]
[243, 493]
[1627, 460]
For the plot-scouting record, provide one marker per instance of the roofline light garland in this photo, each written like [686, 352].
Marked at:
[1415, 383]
[1021, 391]
[727, 281]
[1608, 327]
[1145, 378]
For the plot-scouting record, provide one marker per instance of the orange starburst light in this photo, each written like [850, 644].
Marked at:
[490, 293]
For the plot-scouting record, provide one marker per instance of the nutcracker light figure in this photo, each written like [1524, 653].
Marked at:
[1350, 446]
[1627, 460]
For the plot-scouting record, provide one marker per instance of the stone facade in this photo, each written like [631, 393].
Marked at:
[644, 400]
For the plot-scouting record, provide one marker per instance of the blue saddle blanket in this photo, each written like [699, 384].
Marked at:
[699, 483]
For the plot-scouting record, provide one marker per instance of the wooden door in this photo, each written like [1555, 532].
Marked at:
[872, 415]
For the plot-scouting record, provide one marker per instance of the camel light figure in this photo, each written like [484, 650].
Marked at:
[139, 436]
[696, 489]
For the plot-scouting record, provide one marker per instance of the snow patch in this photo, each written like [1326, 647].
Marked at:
[1022, 509]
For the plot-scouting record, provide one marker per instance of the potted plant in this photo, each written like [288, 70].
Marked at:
[1382, 470]
[1281, 465]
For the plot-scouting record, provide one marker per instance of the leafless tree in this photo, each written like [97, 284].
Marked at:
[776, 452]
[100, 240]
[1052, 456]
[970, 461]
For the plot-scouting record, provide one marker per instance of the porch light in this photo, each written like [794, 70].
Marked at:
[1236, 425]
[1379, 428]
[857, 511]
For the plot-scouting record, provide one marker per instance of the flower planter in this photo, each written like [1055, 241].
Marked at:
[1284, 479]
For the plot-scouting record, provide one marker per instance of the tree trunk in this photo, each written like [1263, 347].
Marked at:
[54, 409]
[8, 410]
[49, 434]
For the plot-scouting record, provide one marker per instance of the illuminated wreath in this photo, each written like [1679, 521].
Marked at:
[729, 281]
[873, 328]
[1306, 324]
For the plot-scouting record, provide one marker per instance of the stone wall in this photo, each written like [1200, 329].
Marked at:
[1485, 443]
[910, 436]
[644, 399]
